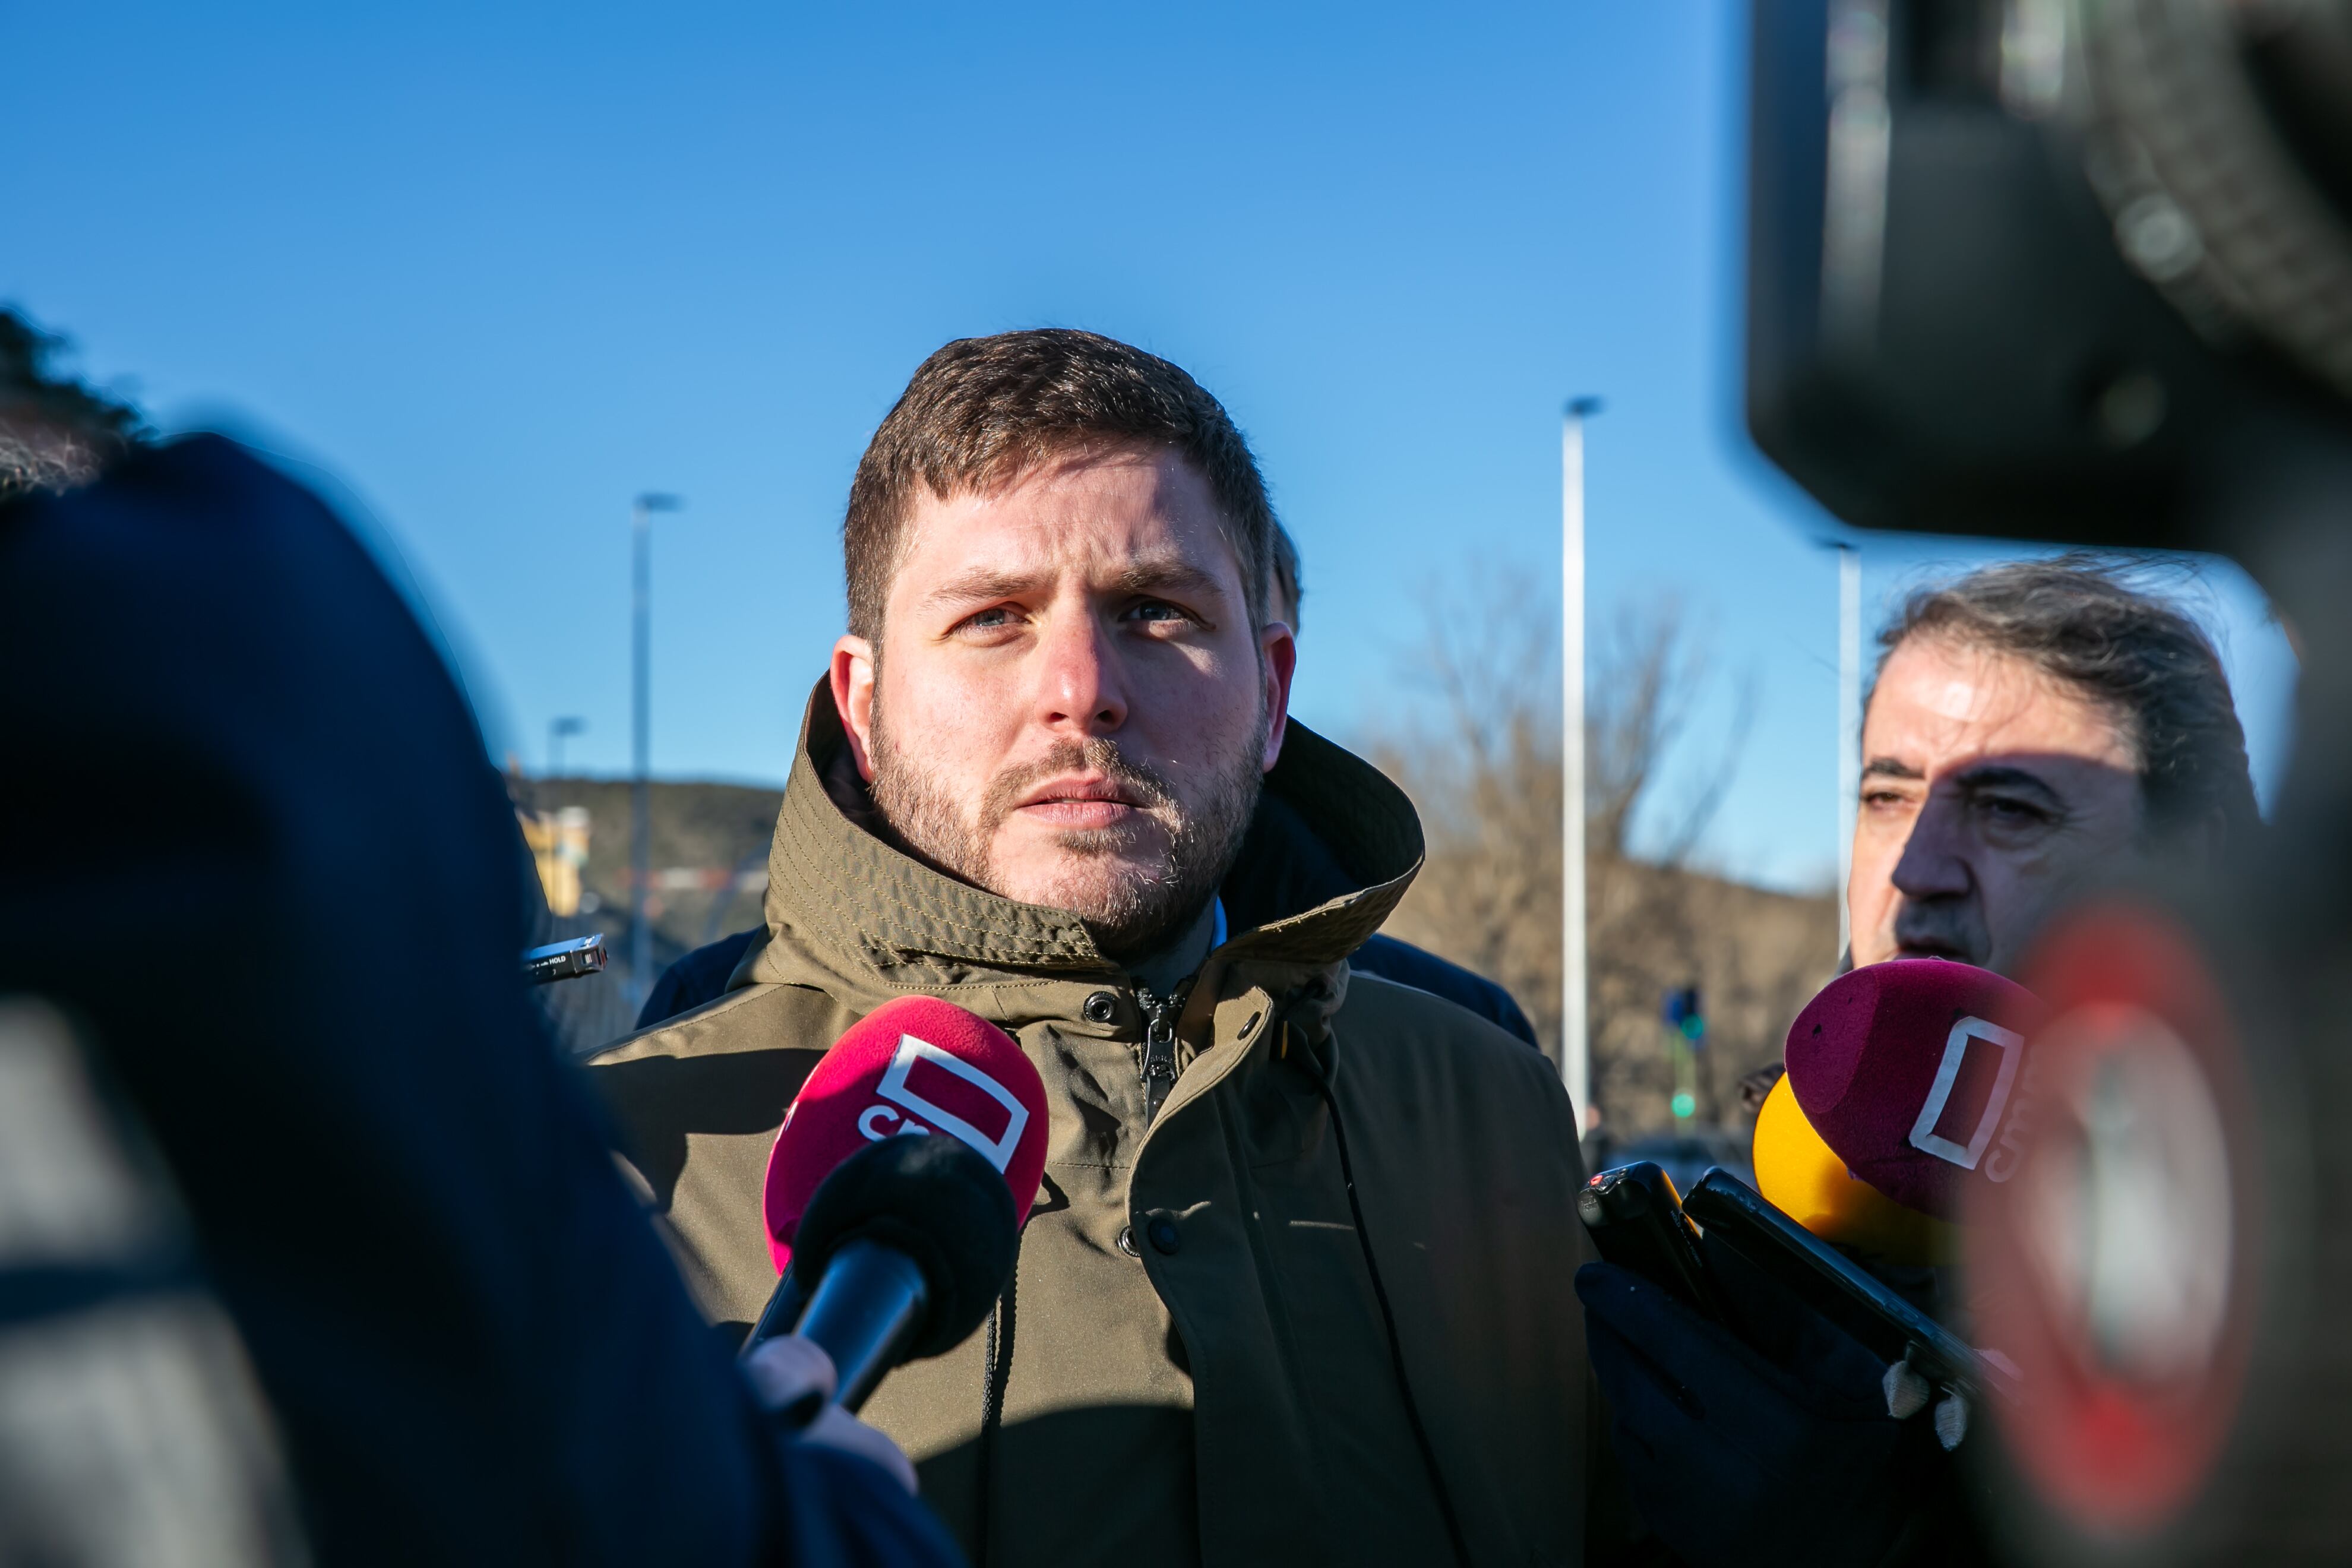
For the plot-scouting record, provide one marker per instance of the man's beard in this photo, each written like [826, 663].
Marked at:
[1131, 910]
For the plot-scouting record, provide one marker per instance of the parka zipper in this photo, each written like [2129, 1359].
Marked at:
[1159, 1045]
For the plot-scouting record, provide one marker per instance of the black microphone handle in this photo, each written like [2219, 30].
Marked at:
[864, 1312]
[785, 1305]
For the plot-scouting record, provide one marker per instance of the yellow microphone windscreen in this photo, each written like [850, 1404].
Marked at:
[1803, 1178]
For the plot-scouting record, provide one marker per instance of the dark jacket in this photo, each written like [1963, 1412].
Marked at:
[1318, 1309]
[703, 975]
[250, 842]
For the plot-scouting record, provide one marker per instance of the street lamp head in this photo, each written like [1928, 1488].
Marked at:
[1583, 407]
[655, 500]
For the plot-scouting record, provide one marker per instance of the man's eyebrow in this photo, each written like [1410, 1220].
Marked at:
[1163, 575]
[1997, 776]
[1171, 575]
[982, 583]
[1888, 768]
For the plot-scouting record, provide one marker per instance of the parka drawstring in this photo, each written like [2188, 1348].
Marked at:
[996, 1373]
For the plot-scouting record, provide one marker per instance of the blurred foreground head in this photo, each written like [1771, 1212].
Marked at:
[56, 434]
[1060, 681]
[2033, 725]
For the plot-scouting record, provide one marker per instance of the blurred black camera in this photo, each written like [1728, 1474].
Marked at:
[2051, 269]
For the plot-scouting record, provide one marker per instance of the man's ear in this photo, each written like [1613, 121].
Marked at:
[1279, 658]
[855, 670]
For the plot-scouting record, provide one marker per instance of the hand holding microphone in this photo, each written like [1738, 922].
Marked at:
[895, 1192]
[791, 1375]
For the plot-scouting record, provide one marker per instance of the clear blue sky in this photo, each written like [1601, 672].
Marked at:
[496, 267]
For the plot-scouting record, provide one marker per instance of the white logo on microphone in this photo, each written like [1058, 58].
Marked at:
[1956, 1051]
[997, 1151]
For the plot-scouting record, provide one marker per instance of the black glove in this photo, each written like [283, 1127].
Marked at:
[1738, 1457]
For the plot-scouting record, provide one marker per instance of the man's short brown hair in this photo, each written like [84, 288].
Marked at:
[2079, 620]
[1289, 576]
[981, 412]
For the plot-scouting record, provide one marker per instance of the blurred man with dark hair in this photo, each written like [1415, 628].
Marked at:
[1299, 1283]
[56, 432]
[285, 1280]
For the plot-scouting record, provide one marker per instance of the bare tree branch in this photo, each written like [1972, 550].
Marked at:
[1479, 753]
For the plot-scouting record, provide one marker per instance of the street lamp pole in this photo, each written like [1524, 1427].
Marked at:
[1575, 1058]
[1849, 736]
[641, 936]
[557, 729]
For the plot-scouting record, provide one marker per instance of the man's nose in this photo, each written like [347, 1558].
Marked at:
[1081, 687]
[1932, 864]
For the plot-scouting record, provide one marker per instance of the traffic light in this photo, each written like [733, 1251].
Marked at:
[1685, 1014]
[1686, 1020]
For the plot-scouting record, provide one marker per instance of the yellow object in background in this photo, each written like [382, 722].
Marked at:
[559, 847]
[1803, 1178]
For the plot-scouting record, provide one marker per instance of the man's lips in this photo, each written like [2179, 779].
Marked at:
[1084, 787]
[1083, 802]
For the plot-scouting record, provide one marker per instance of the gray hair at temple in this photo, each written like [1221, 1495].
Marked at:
[2079, 620]
[56, 434]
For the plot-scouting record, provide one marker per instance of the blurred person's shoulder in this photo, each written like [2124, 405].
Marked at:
[1398, 961]
[1413, 1034]
[763, 1016]
[697, 978]
[1429, 1087]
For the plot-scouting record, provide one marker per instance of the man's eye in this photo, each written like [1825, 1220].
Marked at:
[989, 619]
[1158, 612]
[2002, 809]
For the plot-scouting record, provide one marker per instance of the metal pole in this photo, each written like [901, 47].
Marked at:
[557, 729]
[1575, 1063]
[641, 827]
[641, 936]
[1849, 737]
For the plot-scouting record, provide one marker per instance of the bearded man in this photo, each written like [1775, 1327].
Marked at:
[1298, 1285]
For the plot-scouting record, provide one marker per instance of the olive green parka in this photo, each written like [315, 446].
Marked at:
[1196, 1362]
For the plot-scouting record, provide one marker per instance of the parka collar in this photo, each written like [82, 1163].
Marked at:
[1331, 850]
